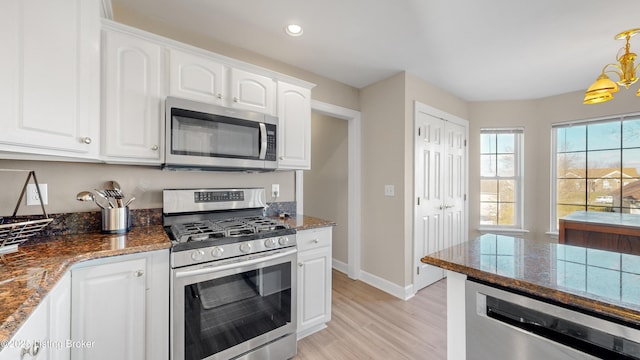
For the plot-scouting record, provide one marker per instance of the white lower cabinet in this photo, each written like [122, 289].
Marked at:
[44, 334]
[120, 307]
[314, 280]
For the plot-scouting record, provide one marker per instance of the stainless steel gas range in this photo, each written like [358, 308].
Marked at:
[233, 283]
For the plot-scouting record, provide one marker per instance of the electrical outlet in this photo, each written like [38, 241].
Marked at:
[32, 194]
[389, 190]
[275, 190]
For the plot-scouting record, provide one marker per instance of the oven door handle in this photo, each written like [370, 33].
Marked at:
[263, 141]
[214, 268]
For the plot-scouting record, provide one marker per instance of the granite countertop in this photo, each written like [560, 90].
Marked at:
[605, 218]
[303, 222]
[28, 275]
[602, 282]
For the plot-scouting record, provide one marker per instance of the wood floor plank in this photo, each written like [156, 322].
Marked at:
[367, 323]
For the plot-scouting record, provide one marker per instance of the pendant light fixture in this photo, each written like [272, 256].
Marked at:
[603, 88]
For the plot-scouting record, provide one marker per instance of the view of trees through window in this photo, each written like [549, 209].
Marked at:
[597, 167]
[500, 177]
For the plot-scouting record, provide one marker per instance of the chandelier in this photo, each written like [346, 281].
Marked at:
[603, 88]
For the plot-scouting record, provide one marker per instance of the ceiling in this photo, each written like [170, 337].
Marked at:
[477, 50]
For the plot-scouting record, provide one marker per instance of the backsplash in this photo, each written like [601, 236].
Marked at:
[88, 222]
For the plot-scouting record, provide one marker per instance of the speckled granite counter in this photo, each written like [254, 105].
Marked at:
[602, 282]
[28, 275]
[302, 222]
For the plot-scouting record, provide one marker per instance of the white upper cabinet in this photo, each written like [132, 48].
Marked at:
[294, 129]
[197, 78]
[252, 92]
[49, 77]
[132, 118]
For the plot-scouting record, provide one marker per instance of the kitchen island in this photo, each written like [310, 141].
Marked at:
[603, 284]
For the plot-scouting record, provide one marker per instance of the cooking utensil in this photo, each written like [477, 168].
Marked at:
[114, 185]
[88, 196]
[103, 195]
[129, 201]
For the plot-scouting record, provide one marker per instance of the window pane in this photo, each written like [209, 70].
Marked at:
[507, 190]
[488, 214]
[631, 161]
[487, 143]
[564, 210]
[507, 214]
[572, 191]
[604, 136]
[488, 165]
[631, 133]
[506, 143]
[506, 165]
[489, 190]
[572, 138]
[603, 163]
[571, 165]
[631, 194]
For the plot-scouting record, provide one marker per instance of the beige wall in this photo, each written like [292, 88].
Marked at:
[64, 180]
[382, 138]
[326, 184]
[537, 117]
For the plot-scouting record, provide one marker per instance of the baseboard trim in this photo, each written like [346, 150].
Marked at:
[340, 266]
[403, 293]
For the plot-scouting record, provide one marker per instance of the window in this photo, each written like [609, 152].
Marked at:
[596, 167]
[501, 178]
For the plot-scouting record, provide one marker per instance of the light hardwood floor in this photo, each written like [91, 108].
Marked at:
[367, 323]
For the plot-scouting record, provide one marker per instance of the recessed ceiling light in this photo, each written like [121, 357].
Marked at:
[293, 30]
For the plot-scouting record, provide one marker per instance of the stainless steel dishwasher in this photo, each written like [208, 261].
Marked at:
[505, 325]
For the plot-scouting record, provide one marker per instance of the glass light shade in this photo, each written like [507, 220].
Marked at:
[603, 83]
[597, 97]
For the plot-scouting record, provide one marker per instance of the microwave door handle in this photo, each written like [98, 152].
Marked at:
[263, 141]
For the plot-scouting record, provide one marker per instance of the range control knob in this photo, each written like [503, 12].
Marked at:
[271, 242]
[245, 247]
[283, 241]
[197, 255]
[217, 252]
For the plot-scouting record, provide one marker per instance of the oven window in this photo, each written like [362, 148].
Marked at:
[191, 136]
[228, 311]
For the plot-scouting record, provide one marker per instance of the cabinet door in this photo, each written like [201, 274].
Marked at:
[49, 77]
[196, 78]
[109, 310]
[294, 130]
[314, 288]
[60, 319]
[252, 92]
[131, 115]
[32, 337]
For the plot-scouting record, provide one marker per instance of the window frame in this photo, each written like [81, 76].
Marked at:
[553, 198]
[518, 178]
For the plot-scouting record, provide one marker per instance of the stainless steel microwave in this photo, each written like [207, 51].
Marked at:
[210, 137]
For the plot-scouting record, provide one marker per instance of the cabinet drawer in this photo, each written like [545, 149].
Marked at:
[314, 238]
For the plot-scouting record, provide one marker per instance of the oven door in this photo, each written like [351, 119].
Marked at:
[226, 309]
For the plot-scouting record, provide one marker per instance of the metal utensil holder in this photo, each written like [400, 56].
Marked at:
[15, 233]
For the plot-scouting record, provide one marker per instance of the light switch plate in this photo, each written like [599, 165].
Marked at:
[389, 190]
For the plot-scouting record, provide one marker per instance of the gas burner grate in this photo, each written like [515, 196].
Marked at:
[197, 231]
[232, 227]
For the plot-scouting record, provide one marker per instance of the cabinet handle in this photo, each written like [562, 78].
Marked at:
[281, 157]
[300, 264]
[315, 241]
[139, 273]
[86, 140]
[154, 147]
[235, 99]
[219, 96]
[32, 350]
